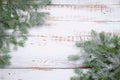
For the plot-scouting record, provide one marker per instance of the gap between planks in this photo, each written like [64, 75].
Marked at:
[80, 67]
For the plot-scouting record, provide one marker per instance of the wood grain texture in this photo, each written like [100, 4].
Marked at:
[51, 44]
[35, 74]
[84, 13]
[86, 2]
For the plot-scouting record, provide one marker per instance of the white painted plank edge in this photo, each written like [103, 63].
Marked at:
[85, 2]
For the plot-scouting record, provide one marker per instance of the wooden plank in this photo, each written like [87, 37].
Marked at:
[84, 13]
[73, 27]
[25, 74]
[86, 2]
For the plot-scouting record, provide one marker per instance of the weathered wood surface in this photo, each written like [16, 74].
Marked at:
[84, 13]
[86, 2]
[51, 44]
[27, 74]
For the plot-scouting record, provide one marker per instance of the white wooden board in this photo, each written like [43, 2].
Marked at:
[51, 44]
[86, 2]
[26, 74]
